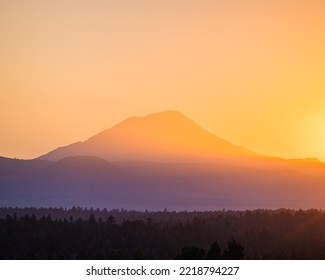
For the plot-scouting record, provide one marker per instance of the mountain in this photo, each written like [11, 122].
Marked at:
[162, 137]
[172, 137]
[77, 180]
[94, 182]
[163, 160]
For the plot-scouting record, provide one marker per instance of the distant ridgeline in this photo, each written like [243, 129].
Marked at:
[76, 233]
[157, 161]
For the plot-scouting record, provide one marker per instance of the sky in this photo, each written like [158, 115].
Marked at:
[251, 72]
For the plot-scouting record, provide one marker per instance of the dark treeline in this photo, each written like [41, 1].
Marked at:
[76, 233]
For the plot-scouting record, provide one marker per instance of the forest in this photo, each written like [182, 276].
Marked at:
[81, 233]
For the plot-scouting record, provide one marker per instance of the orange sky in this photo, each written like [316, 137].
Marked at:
[250, 72]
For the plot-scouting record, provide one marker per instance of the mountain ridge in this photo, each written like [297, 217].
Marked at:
[93, 182]
[165, 136]
[158, 161]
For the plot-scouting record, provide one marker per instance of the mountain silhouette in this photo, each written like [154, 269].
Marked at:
[163, 160]
[164, 137]
[94, 182]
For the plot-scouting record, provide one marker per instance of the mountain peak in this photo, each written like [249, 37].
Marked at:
[169, 117]
[168, 114]
[165, 136]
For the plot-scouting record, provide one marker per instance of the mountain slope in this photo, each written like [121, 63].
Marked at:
[71, 181]
[85, 176]
[161, 160]
[94, 182]
[168, 136]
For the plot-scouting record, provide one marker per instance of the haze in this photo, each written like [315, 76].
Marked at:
[249, 72]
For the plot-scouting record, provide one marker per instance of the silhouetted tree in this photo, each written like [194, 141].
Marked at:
[235, 250]
[214, 253]
[191, 253]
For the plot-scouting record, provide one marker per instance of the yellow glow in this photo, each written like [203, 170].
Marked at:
[248, 72]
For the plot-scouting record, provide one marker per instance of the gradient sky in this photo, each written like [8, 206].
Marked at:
[252, 73]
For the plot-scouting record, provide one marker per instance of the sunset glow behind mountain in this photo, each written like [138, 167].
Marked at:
[250, 72]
